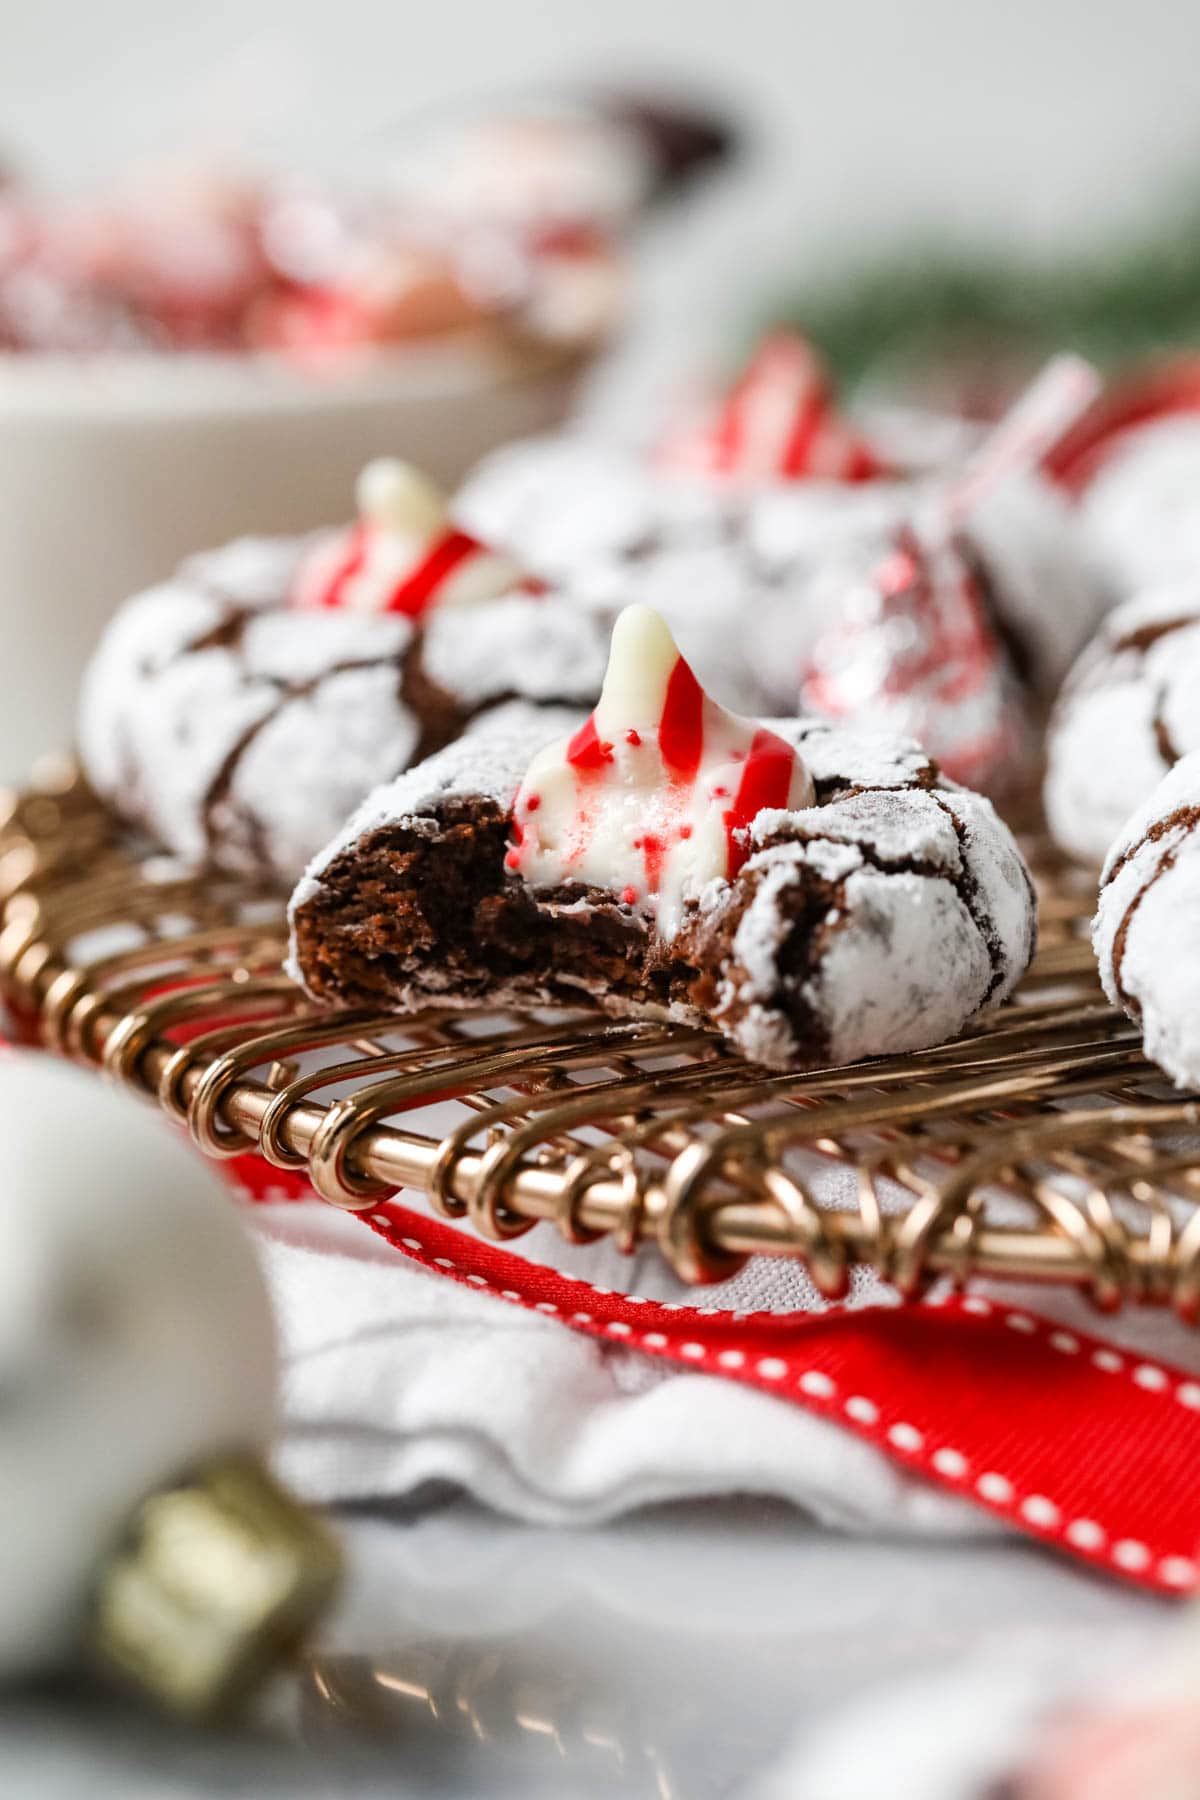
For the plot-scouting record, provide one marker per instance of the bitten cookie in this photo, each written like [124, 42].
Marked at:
[1147, 927]
[238, 712]
[1129, 710]
[816, 894]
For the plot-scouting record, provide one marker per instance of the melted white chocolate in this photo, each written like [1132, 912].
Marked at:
[652, 800]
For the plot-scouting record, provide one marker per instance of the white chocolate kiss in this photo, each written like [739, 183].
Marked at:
[651, 801]
[404, 555]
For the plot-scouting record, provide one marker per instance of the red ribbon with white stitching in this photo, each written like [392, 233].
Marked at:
[1088, 1448]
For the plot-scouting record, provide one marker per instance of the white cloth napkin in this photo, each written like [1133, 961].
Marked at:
[395, 1379]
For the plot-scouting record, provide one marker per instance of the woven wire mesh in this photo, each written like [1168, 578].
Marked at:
[1039, 1145]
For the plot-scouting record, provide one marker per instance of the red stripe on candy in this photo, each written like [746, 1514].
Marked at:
[861, 464]
[587, 752]
[766, 782]
[725, 450]
[727, 433]
[798, 445]
[681, 728]
[418, 590]
[778, 421]
[785, 367]
[351, 565]
[654, 855]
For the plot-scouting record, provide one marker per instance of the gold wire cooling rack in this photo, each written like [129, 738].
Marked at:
[1039, 1146]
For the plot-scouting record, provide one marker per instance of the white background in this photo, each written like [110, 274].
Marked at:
[1035, 119]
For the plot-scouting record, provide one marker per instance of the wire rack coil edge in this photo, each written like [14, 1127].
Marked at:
[1040, 1146]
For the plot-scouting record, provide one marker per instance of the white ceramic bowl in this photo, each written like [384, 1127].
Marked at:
[112, 470]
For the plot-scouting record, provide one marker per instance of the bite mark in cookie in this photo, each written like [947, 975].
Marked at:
[876, 908]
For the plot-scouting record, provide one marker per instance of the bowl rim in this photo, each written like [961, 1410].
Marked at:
[145, 385]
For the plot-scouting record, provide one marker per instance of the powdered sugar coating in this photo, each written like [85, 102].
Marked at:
[901, 828]
[275, 646]
[264, 820]
[250, 571]
[794, 526]
[1139, 511]
[766, 1034]
[840, 757]
[519, 645]
[173, 743]
[153, 629]
[938, 916]
[1146, 932]
[879, 985]
[1034, 556]
[560, 503]
[1129, 710]
[230, 730]
[895, 976]
[999, 891]
[148, 632]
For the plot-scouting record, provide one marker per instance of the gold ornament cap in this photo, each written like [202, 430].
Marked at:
[215, 1584]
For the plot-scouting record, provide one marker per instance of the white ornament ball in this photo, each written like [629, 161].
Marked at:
[136, 1339]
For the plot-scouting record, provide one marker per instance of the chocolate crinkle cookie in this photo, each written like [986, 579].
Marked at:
[1147, 927]
[1130, 709]
[816, 894]
[238, 712]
